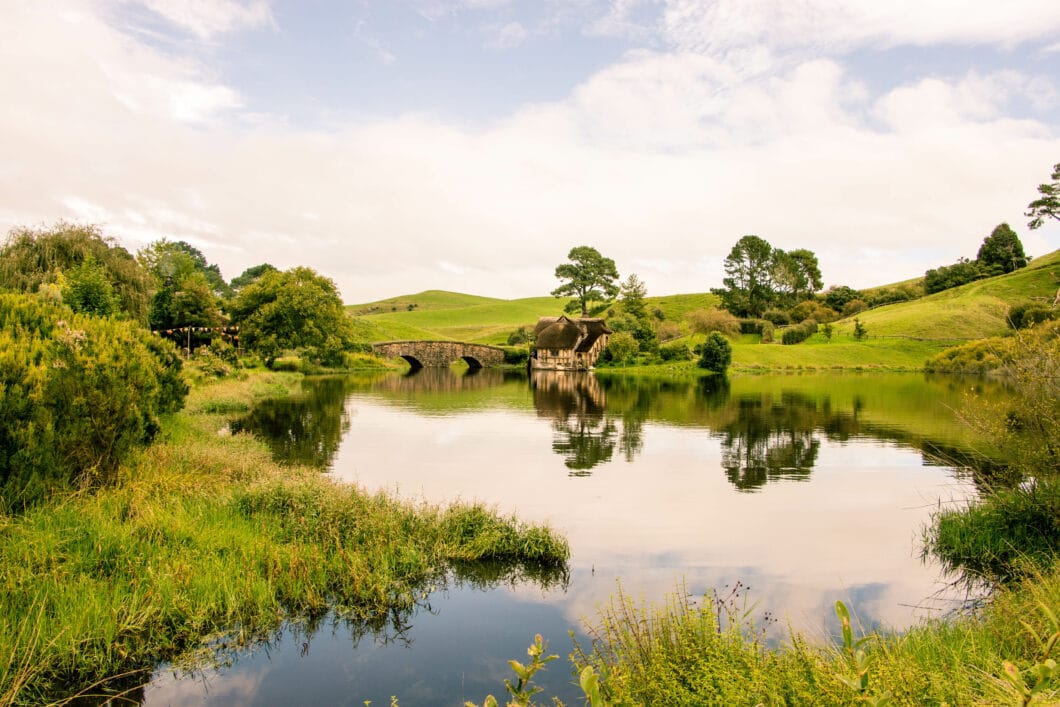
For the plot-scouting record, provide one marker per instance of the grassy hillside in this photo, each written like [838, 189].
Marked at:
[900, 336]
[973, 311]
[429, 300]
[480, 320]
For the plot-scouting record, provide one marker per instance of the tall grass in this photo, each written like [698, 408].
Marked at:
[205, 536]
[710, 652]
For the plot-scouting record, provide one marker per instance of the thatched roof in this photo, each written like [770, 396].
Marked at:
[566, 333]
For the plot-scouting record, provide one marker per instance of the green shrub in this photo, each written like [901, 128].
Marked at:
[716, 354]
[947, 276]
[854, 306]
[1027, 314]
[778, 316]
[705, 321]
[622, 347]
[80, 394]
[799, 333]
[515, 355]
[675, 352]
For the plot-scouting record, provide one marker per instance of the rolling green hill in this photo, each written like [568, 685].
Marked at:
[973, 311]
[900, 336]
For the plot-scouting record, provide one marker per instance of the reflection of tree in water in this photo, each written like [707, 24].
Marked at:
[575, 404]
[393, 624]
[302, 429]
[770, 440]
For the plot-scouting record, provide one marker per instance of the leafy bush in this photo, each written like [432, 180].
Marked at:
[706, 321]
[1027, 314]
[668, 330]
[778, 316]
[716, 353]
[675, 352]
[960, 273]
[887, 295]
[799, 333]
[838, 296]
[811, 309]
[80, 394]
[515, 356]
[622, 347]
[854, 306]
[521, 335]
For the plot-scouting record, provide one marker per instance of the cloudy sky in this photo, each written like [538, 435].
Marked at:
[403, 145]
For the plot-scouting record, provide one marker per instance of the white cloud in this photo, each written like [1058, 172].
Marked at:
[722, 25]
[207, 18]
[508, 35]
[662, 161]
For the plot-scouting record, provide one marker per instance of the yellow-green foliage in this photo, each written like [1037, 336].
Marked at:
[80, 393]
[995, 354]
[206, 536]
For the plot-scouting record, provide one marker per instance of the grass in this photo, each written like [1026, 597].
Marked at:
[687, 652]
[206, 541]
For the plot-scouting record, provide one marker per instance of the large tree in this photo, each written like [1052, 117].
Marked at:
[1048, 204]
[173, 261]
[1002, 251]
[748, 283]
[293, 309]
[589, 277]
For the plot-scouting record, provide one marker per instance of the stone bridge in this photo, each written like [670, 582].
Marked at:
[431, 354]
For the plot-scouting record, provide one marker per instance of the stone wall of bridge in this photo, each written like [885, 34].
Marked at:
[434, 354]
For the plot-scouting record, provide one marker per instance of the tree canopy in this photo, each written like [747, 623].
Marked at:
[1002, 251]
[293, 309]
[1047, 205]
[759, 276]
[33, 258]
[589, 277]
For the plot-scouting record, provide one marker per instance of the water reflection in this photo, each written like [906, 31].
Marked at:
[664, 470]
[306, 428]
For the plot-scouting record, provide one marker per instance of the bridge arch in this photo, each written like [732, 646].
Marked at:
[433, 354]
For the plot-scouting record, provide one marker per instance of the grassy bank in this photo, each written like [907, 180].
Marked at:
[206, 538]
[688, 652]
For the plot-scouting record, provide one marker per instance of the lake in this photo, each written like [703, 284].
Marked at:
[804, 489]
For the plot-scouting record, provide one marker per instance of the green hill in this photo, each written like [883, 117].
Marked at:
[900, 336]
[973, 311]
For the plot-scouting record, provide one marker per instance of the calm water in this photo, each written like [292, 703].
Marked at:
[807, 489]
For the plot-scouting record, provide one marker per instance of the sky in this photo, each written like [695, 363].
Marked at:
[397, 146]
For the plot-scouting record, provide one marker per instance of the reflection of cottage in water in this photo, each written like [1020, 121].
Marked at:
[565, 344]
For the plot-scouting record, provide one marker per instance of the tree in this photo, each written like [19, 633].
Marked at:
[1002, 251]
[716, 354]
[33, 258]
[589, 276]
[293, 309]
[622, 346]
[809, 271]
[748, 287]
[87, 289]
[176, 260]
[860, 332]
[1048, 205]
[250, 275]
[633, 294]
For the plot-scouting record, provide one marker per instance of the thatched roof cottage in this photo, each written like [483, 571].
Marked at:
[565, 344]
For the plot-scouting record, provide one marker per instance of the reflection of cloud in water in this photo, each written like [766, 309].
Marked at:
[674, 513]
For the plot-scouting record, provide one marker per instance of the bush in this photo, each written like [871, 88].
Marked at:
[622, 347]
[706, 321]
[521, 335]
[80, 394]
[716, 354]
[668, 330]
[887, 295]
[811, 309]
[675, 352]
[516, 356]
[854, 306]
[836, 297]
[799, 333]
[767, 332]
[960, 273]
[777, 316]
[1027, 314]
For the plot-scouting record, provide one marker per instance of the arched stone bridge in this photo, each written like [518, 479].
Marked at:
[431, 354]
